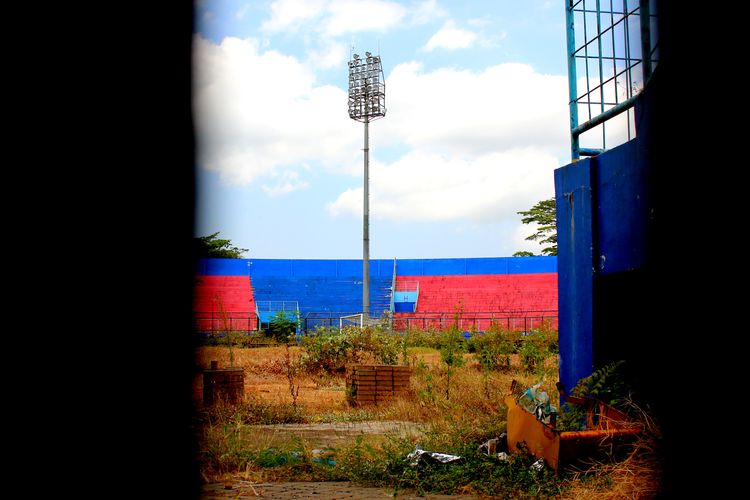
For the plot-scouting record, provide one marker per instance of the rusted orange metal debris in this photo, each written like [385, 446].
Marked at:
[605, 426]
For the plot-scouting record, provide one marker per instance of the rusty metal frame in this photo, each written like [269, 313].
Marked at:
[604, 425]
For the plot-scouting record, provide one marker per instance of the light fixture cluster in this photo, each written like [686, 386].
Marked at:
[366, 88]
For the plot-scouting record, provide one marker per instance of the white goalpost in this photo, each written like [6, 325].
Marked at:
[351, 320]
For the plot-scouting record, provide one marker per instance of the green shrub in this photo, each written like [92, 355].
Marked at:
[331, 349]
[532, 356]
[537, 346]
[283, 325]
[493, 349]
[386, 465]
[452, 354]
[606, 384]
[424, 338]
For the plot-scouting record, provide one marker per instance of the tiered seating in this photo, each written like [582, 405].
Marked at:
[223, 303]
[322, 294]
[486, 292]
[512, 299]
[515, 292]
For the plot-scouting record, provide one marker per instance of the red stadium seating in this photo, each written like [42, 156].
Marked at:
[224, 303]
[520, 300]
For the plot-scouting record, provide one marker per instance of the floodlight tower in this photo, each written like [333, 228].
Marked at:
[366, 103]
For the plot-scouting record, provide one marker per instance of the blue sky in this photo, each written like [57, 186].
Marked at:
[477, 121]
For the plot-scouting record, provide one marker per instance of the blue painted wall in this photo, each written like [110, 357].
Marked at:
[378, 267]
[324, 293]
[604, 213]
[575, 274]
[319, 267]
[222, 267]
[623, 208]
[404, 296]
[404, 307]
[404, 301]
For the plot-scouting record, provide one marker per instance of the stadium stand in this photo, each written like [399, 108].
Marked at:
[515, 292]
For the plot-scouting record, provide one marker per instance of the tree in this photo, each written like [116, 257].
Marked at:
[212, 247]
[523, 253]
[544, 215]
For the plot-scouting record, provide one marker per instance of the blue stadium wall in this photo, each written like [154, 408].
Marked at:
[378, 267]
[333, 287]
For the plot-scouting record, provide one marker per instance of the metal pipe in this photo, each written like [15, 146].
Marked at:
[366, 224]
[572, 89]
[590, 151]
[645, 40]
[601, 69]
[610, 113]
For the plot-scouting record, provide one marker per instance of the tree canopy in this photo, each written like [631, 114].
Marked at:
[213, 247]
[544, 215]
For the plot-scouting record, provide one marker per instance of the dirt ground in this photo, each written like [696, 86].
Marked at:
[305, 490]
[332, 434]
[265, 379]
[319, 435]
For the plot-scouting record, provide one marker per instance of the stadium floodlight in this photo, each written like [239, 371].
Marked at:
[366, 103]
[366, 88]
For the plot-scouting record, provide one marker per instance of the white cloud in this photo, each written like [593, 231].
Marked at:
[481, 145]
[616, 128]
[518, 239]
[288, 14]
[347, 16]
[332, 18]
[331, 55]
[287, 182]
[426, 186]
[479, 22]
[259, 112]
[427, 11]
[449, 37]
[470, 113]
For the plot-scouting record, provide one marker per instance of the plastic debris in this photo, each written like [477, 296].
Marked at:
[495, 445]
[323, 461]
[502, 456]
[535, 400]
[537, 466]
[323, 457]
[415, 456]
[489, 447]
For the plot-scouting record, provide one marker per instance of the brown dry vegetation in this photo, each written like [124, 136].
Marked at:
[265, 378]
[475, 410]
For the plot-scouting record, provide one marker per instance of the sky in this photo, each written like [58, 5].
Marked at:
[476, 123]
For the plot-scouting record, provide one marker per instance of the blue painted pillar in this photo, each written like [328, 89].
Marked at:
[575, 269]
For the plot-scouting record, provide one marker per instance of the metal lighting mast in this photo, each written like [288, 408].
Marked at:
[366, 103]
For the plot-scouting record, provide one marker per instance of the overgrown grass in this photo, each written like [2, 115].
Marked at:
[384, 463]
[331, 349]
[236, 339]
[458, 404]
[251, 411]
[634, 473]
